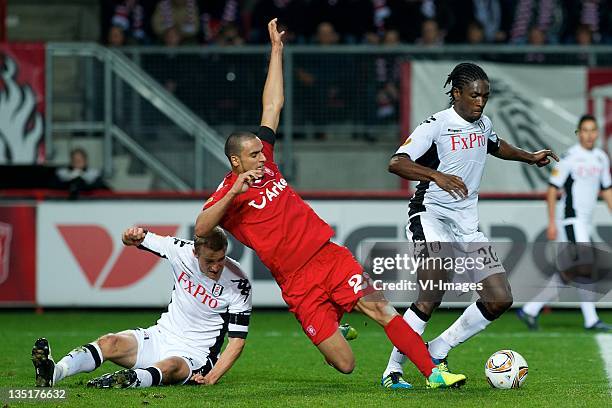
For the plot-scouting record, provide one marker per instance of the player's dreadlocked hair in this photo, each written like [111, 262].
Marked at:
[462, 75]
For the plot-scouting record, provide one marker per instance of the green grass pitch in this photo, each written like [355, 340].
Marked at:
[280, 367]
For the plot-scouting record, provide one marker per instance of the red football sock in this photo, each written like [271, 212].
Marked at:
[410, 344]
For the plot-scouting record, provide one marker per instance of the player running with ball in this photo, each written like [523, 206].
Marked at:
[446, 154]
[319, 280]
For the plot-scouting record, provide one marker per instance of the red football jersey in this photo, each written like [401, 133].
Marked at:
[272, 219]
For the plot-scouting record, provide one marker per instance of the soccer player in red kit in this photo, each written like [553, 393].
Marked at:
[319, 280]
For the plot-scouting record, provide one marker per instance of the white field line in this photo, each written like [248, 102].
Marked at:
[605, 348]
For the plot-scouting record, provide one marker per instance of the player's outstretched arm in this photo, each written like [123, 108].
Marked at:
[133, 236]
[405, 167]
[273, 97]
[508, 152]
[226, 361]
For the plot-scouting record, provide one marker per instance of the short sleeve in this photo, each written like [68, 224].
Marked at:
[240, 309]
[268, 137]
[559, 173]
[222, 190]
[421, 139]
[492, 142]
[606, 182]
[163, 247]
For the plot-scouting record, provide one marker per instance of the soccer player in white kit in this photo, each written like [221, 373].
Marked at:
[447, 154]
[582, 172]
[211, 299]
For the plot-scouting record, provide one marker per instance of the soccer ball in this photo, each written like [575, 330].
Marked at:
[506, 369]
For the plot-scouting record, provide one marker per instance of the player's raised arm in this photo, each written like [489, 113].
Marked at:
[508, 152]
[273, 97]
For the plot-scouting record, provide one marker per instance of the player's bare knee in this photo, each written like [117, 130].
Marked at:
[344, 365]
[381, 311]
[173, 370]
[109, 344]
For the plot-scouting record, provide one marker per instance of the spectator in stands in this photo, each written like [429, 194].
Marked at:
[431, 36]
[326, 34]
[391, 38]
[116, 36]
[229, 35]
[584, 38]
[387, 78]
[182, 14]
[537, 37]
[407, 16]
[172, 37]
[322, 88]
[216, 15]
[584, 35]
[547, 16]
[595, 14]
[294, 14]
[129, 17]
[78, 176]
[486, 13]
[475, 33]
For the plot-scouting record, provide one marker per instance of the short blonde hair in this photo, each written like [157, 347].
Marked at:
[215, 240]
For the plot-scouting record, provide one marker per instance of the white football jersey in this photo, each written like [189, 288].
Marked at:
[202, 311]
[581, 173]
[450, 144]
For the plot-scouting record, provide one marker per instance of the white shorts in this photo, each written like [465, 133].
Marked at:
[424, 227]
[574, 244]
[155, 345]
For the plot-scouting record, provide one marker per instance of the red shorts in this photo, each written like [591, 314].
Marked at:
[322, 290]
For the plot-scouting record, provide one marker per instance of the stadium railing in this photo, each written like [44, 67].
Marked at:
[336, 98]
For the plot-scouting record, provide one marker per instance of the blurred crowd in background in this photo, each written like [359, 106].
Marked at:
[429, 23]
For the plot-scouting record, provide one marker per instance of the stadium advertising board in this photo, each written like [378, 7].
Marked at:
[81, 261]
[17, 249]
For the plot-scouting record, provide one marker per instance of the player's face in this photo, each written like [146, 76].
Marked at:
[471, 100]
[587, 134]
[211, 262]
[251, 156]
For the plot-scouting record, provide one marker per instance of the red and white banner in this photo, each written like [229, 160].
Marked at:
[533, 107]
[22, 106]
[17, 254]
[600, 102]
[82, 262]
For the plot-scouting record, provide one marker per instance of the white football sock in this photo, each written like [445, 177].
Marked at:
[548, 293]
[468, 324]
[80, 360]
[587, 291]
[397, 358]
[148, 377]
[589, 313]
